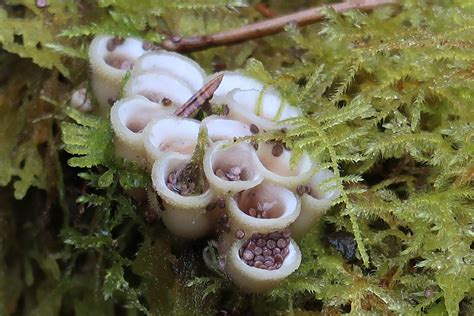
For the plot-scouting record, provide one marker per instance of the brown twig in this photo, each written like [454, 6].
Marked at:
[264, 10]
[197, 100]
[266, 27]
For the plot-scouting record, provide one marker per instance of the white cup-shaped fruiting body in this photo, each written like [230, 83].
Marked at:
[262, 108]
[110, 58]
[160, 87]
[231, 168]
[219, 128]
[276, 165]
[170, 134]
[252, 194]
[315, 201]
[233, 80]
[254, 272]
[264, 208]
[129, 117]
[175, 64]
[81, 101]
[185, 213]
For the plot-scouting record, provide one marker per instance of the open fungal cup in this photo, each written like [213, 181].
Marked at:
[81, 101]
[175, 64]
[161, 88]
[263, 108]
[110, 58]
[254, 272]
[170, 134]
[231, 168]
[277, 167]
[233, 80]
[264, 208]
[185, 212]
[315, 201]
[129, 117]
[219, 128]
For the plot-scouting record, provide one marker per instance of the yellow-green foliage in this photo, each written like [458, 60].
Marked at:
[388, 99]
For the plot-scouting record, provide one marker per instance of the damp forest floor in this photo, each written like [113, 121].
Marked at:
[388, 97]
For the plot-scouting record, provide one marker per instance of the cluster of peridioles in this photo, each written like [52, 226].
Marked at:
[254, 198]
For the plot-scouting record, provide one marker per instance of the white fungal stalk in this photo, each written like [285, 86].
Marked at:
[314, 202]
[276, 165]
[264, 208]
[231, 168]
[256, 278]
[159, 88]
[184, 215]
[175, 64]
[219, 128]
[263, 108]
[110, 58]
[129, 117]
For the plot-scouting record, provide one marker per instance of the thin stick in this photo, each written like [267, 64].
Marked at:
[266, 27]
[264, 10]
[197, 100]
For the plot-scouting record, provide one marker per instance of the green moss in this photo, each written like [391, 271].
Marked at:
[388, 106]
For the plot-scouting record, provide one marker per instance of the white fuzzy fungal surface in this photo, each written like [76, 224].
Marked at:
[248, 189]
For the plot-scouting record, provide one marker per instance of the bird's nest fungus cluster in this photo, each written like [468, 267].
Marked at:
[210, 175]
